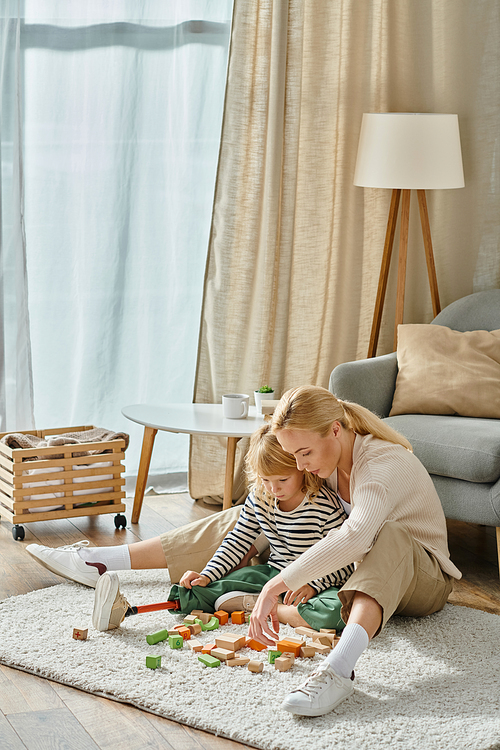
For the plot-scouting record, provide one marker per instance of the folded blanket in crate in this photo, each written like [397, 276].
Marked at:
[96, 435]
[54, 495]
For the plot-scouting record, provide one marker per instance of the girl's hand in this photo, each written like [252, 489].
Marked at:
[301, 596]
[191, 578]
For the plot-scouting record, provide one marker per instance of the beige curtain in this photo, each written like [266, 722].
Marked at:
[295, 248]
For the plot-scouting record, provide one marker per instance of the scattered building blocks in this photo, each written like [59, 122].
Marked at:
[161, 635]
[195, 645]
[291, 646]
[231, 641]
[153, 662]
[238, 661]
[255, 645]
[208, 648]
[238, 617]
[80, 634]
[175, 641]
[209, 661]
[307, 651]
[256, 666]
[283, 663]
[212, 624]
[272, 655]
[222, 653]
[222, 616]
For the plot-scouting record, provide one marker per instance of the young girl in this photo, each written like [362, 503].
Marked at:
[294, 509]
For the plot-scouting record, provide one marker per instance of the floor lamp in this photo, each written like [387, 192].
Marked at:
[407, 151]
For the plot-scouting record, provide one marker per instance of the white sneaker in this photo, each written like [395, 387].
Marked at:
[110, 607]
[236, 601]
[66, 562]
[319, 694]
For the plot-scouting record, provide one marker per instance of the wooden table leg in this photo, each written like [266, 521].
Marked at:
[228, 484]
[142, 475]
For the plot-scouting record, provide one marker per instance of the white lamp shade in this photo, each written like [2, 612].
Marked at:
[409, 151]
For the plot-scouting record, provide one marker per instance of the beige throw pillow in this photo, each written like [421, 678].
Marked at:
[447, 372]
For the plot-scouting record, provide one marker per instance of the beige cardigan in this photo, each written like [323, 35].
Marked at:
[388, 483]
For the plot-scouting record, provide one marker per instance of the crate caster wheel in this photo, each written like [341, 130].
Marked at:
[18, 532]
[120, 521]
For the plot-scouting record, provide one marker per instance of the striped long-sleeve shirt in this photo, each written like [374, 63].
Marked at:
[289, 535]
[388, 483]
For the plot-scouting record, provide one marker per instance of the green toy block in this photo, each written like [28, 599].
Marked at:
[161, 635]
[272, 656]
[209, 661]
[175, 641]
[212, 624]
[153, 662]
[200, 622]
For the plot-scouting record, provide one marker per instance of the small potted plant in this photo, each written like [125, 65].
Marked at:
[264, 393]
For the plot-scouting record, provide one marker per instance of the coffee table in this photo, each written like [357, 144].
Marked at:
[193, 419]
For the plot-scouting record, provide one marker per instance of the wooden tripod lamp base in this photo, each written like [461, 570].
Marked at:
[403, 251]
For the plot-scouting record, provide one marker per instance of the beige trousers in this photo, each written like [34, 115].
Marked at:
[401, 575]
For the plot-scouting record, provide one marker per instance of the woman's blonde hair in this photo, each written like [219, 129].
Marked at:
[266, 458]
[315, 409]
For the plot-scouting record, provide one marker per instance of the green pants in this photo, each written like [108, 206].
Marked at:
[321, 611]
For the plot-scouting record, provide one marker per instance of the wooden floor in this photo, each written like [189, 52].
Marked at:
[41, 715]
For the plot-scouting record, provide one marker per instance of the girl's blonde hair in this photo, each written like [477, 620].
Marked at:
[266, 458]
[315, 409]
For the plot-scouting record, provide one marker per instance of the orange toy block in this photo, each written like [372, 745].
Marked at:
[238, 661]
[231, 641]
[255, 645]
[223, 617]
[184, 631]
[195, 645]
[223, 654]
[80, 634]
[256, 666]
[238, 618]
[208, 648]
[291, 646]
[283, 663]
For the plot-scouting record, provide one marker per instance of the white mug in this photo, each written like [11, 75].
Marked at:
[235, 405]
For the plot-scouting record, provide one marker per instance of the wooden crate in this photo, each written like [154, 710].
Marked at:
[18, 501]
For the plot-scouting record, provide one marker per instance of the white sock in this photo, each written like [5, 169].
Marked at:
[114, 558]
[353, 641]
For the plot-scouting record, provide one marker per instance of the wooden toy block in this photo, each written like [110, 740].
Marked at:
[196, 612]
[238, 661]
[238, 618]
[231, 641]
[209, 661]
[291, 639]
[256, 666]
[208, 648]
[328, 630]
[272, 655]
[195, 645]
[320, 648]
[189, 620]
[282, 663]
[204, 617]
[307, 651]
[335, 642]
[175, 641]
[288, 645]
[223, 617]
[212, 624]
[222, 653]
[161, 635]
[323, 639]
[255, 645]
[195, 629]
[153, 662]
[308, 632]
[184, 631]
[289, 655]
[80, 634]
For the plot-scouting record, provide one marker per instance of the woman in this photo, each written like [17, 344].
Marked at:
[395, 534]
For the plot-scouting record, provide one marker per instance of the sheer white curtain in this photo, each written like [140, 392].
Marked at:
[121, 119]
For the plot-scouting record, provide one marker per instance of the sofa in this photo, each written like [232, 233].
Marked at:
[461, 453]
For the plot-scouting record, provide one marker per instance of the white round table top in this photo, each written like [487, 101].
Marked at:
[193, 419]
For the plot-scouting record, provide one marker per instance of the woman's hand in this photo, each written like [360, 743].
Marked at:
[191, 578]
[301, 596]
[266, 606]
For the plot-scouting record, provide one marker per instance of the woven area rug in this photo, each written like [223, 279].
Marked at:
[430, 683]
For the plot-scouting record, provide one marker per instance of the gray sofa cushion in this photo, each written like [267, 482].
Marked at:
[452, 446]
